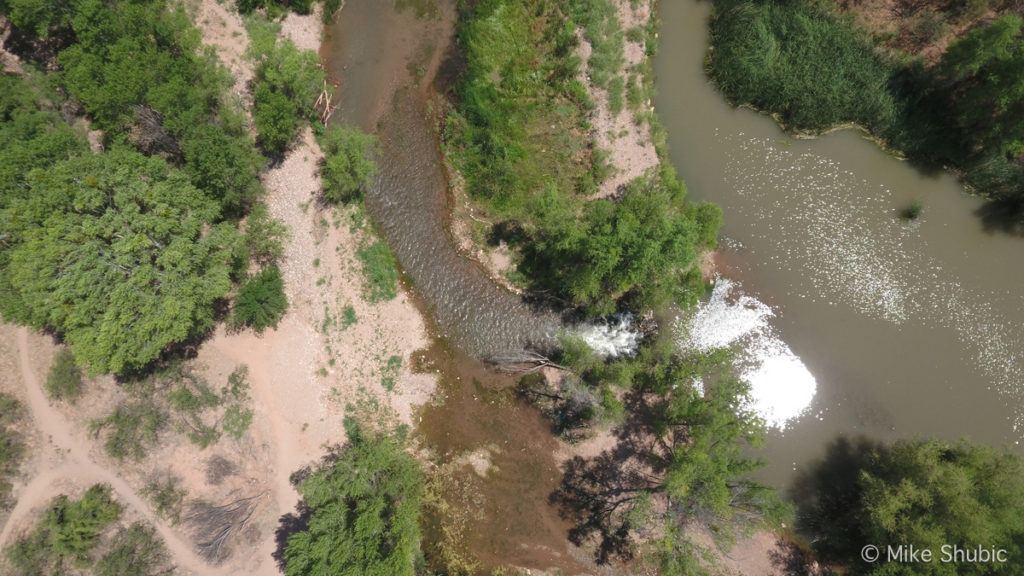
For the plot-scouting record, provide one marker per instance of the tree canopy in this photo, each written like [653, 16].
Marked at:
[925, 493]
[364, 506]
[117, 253]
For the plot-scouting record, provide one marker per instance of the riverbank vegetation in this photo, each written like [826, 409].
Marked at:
[818, 64]
[921, 493]
[519, 136]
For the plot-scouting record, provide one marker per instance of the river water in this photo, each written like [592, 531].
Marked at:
[904, 329]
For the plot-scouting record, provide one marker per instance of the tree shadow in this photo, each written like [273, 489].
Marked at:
[597, 495]
[1002, 216]
[288, 524]
[827, 497]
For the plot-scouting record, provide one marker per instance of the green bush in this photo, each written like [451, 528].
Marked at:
[380, 271]
[602, 29]
[131, 429]
[12, 446]
[348, 165]
[64, 382]
[167, 496]
[135, 551]
[261, 301]
[67, 535]
[364, 512]
[264, 236]
[286, 84]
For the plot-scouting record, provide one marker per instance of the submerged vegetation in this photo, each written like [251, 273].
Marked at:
[814, 67]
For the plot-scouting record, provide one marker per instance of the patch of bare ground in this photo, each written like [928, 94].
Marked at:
[66, 458]
[9, 63]
[306, 31]
[624, 135]
[223, 30]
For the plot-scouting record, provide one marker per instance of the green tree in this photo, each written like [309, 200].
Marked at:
[261, 301]
[642, 246]
[287, 83]
[348, 165]
[924, 493]
[364, 505]
[117, 252]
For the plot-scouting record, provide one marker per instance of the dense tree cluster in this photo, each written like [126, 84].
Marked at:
[116, 252]
[364, 508]
[348, 165]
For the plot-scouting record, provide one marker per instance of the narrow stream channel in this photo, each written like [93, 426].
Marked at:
[908, 329]
[495, 454]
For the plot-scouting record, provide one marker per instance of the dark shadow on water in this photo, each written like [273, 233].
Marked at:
[1004, 216]
[827, 497]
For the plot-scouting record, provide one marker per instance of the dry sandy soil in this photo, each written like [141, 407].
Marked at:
[625, 137]
[302, 374]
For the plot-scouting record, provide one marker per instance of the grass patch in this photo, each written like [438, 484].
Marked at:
[380, 271]
[12, 446]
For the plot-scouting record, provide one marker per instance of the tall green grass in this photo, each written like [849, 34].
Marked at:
[811, 68]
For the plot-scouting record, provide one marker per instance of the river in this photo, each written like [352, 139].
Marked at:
[862, 323]
[909, 329]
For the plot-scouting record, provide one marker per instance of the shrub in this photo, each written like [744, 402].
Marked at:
[167, 496]
[364, 511]
[380, 270]
[794, 59]
[136, 551]
[131, 429]
[348, 165]
[64, 382]
[67, 534]
[287, 82]
[12, 447]
[261, 301]
[264, 236]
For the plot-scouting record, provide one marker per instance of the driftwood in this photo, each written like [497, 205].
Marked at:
[522, 362]
[214, 526]
[323, 104]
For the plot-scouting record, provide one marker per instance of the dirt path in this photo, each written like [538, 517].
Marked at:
[78, 467]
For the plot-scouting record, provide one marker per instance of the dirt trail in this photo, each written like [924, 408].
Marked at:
[77, 466]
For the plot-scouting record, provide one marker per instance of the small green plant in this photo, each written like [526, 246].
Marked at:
[131, 429]
[12, 447]
[348, 316]
[389, 373]
[64, 382]
[912, 211]
[264, 236]
[380, 270]
[261, 301]
[167, 495]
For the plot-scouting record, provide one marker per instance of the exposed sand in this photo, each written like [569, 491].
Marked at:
[623, 135]
[9, 63]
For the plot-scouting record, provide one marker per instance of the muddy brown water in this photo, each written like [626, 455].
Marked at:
[909, 329]
[383, 56]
